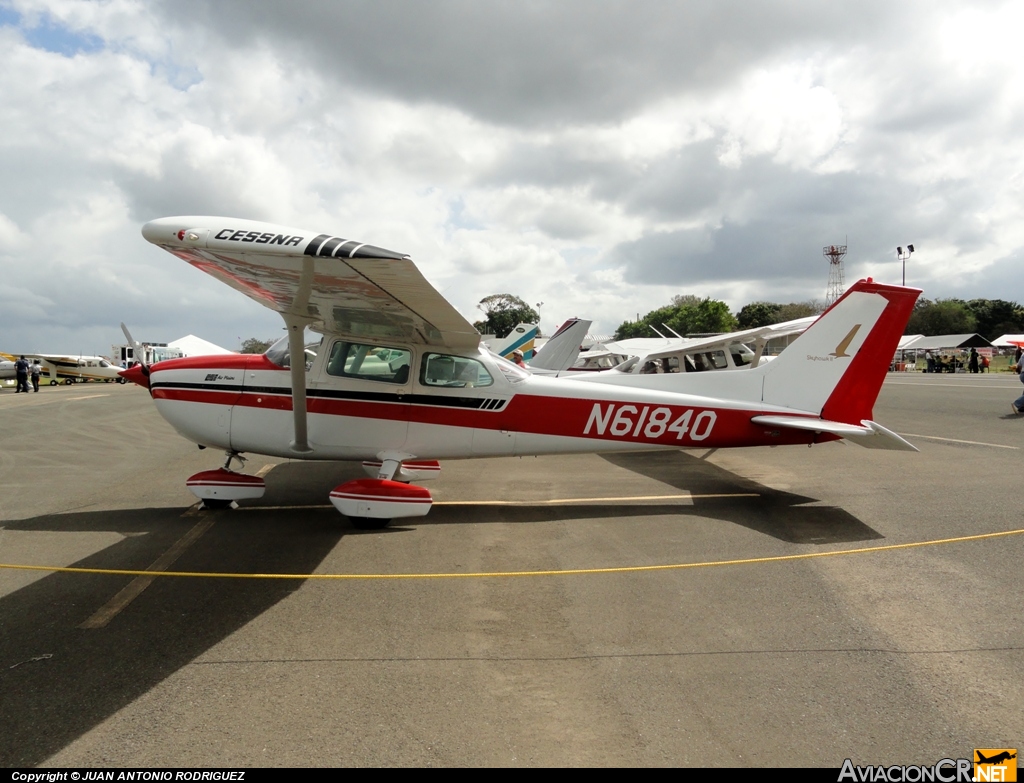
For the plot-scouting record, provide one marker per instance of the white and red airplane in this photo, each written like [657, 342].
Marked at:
[401, 381]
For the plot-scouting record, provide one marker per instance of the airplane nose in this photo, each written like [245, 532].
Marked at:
[136, 374]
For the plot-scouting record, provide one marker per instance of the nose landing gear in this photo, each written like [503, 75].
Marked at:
[221, 487]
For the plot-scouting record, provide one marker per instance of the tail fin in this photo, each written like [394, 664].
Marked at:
[836, 368]
[559, 352]
[519, 339]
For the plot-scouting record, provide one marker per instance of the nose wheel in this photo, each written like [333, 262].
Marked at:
[221, 487]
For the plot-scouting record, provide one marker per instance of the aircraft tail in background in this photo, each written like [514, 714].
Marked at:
[519, 339]
[559, 353]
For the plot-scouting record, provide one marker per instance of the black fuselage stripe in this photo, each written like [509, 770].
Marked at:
[331, 394]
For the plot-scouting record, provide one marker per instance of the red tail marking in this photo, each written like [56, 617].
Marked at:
[854, 397]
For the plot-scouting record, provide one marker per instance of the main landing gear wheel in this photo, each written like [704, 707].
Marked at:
[53, 383]
[368, 523]
[214, 503]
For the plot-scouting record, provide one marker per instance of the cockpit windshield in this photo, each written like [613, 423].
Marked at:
[279, 353]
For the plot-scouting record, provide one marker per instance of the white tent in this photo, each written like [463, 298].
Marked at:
[190, 345]
[1004, 341]
[947, 341]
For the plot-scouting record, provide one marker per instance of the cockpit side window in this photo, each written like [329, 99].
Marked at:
[369, 362]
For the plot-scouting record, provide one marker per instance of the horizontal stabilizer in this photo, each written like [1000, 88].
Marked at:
[868, 434]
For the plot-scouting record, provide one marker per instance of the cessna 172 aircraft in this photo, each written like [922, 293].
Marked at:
[400, 380]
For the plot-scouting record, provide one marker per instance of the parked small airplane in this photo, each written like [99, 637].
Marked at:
[652, 355]
[74, 369]
[401, 381]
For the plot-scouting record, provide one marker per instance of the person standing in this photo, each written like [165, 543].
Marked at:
[929, 361]
[36, 372]
[21, 371]
[1018, 404]
[972, 362]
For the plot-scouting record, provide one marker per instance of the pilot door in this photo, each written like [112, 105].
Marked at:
[358, 399]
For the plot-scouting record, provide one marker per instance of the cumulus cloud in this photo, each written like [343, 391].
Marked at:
[597, 158]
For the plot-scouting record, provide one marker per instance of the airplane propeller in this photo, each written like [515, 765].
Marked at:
[138, 372]
[137, 350]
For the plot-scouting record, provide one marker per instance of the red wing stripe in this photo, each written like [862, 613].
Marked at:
[379, 498]
[222, 484]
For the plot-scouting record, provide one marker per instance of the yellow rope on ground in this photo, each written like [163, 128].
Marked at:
[560, 572]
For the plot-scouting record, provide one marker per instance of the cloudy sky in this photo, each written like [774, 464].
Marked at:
[598, 157]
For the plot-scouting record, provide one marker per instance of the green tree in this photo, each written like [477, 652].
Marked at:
[758, 314]
[943, 316]
[252, 345]
[686, 315]
[504, 312]
[794, 310]
[709, 316]
[996, 317]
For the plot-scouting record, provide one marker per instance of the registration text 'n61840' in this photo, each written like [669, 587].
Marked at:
[649, 422]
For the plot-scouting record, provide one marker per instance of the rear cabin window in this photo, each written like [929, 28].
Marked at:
[369, 362]
[440, 369]
[706, 360]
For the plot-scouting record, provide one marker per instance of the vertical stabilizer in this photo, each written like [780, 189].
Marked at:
[561, 350]
[836, 368]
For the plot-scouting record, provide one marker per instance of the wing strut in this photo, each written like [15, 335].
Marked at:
[297, 351]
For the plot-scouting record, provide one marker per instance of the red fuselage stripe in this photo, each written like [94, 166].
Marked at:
[632, 422]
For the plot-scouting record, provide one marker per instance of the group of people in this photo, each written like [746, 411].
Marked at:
[975, 363]
[23, 371]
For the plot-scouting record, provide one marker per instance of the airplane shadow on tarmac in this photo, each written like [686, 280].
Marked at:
[59, 680]
[782, 515]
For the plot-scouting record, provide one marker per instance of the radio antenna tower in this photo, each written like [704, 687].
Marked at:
[836, 286]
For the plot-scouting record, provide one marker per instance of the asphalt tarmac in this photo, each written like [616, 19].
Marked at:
[892, 656]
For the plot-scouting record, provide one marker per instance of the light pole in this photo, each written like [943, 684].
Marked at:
[903, 256]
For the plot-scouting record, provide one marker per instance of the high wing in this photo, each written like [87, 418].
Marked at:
[330, 283]
[754, 335]
[656, 348]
